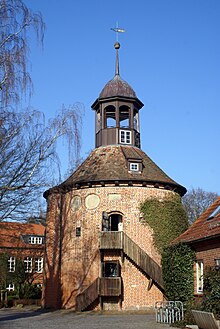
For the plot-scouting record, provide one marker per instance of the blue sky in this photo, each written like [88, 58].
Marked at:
[170, 55]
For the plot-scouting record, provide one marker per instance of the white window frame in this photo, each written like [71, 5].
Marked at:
[11, 264]
[28, 264]
[134, 166]
[125, 137]
[199, 276]
[10, 287]
[35, 240]
[39, 263]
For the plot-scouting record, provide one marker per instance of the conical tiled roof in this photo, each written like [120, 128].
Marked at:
[110, 164]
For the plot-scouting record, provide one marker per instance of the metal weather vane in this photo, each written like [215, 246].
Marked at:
[117, 30]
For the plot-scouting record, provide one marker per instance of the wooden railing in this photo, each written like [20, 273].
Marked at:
[100, 287]
[120, 240]
[110, 286]
[111, 240]
[143, 260]
[88, 296]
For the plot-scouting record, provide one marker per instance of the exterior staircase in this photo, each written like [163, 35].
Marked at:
[100, 287]
[113, 286]
[120, 240]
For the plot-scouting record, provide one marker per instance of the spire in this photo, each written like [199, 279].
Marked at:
[117, 46]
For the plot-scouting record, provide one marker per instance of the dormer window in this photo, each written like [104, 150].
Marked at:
[35, 239]
[214, 213]
[133, 166]
[125, 137]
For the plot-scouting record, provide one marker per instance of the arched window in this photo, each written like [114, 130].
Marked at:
[124, 116]
[112, 222]
[110, 117]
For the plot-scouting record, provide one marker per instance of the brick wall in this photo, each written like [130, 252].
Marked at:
[73, 263]
[206, 251]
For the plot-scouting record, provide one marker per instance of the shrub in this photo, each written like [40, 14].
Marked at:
[211, 302]
[177, 266]
[166, 217]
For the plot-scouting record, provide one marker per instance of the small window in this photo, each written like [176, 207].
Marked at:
[78, 231]
[214, 213]
[134, 166]
[10, 287]
[111, 269]
[199, 276]
[11, 264]
[39, 265]
[125, 137]
[217, 264]
[28, 265]
[35, 240]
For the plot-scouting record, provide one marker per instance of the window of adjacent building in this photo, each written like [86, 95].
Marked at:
[39, 264]
[35, 239]
[28, 265]
[199, 276]
[134, 166]
[214, 213]
[10, 287]
[125, 137]
[78, 231]
[11, 264]
[217, 264]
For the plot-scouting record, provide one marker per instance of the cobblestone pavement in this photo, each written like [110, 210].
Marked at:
[32, 319]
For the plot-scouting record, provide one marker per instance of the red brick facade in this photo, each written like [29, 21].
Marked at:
[99, 254]
[15, 242]
[73, 263]
[204, 237]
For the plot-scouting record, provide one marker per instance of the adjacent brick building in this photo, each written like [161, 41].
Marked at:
[204, 237]
[99, 254]
[23, 242]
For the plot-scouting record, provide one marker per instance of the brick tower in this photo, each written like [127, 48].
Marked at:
[99, 254]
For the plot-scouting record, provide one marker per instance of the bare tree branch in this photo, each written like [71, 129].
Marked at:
[27, 150]
[16, 21]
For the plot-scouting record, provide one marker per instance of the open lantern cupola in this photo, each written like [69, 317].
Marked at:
[117, 112]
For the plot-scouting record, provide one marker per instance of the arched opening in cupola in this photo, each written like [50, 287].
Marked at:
[124, 116]
[110, 117]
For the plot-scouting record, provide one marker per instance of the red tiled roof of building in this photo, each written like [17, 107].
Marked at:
[11, 234]
[205, 227]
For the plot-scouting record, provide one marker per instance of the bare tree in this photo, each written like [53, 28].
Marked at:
[196, 201]
[16, 22]
[28, 156]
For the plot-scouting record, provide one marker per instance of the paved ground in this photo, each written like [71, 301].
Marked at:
[32, 319]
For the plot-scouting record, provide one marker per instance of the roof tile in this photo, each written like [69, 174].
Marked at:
[204, 227]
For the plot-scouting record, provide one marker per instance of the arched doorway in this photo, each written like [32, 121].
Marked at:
[112, 222]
